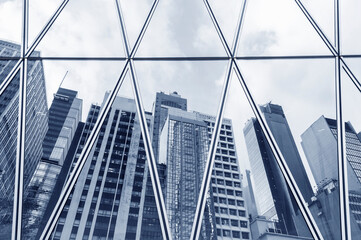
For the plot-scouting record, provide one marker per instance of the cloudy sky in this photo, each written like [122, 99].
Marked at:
[305, 88]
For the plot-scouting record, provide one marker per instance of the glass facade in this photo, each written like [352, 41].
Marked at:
[234, 120]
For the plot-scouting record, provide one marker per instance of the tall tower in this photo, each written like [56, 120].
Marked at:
[183, 148]
[64, 116]
[319, 142]
[280, 129]
[36, 125]
[273, 199]
[160, 111]
[108, 199]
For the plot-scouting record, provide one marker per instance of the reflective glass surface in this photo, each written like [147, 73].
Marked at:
[180, 119]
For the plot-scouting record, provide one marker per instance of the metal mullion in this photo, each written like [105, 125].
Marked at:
[46, 28]
[29, 51]
[324, 37]
[20, 156]
[180, 58]
[158, 195]
[239, 27]
[79, 58]
[10, 76]
[345, 224]
[316, 27]
[219, 118]
[280, 159]
[218, 29]
[285, 57]
[144, 28]
[351, 76]
[21, 134]
[202, 197]
[50, 225]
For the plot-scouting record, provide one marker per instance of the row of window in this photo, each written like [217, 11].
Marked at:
[235, 234]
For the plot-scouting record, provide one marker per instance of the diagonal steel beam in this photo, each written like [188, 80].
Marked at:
[291, 183]
[30, 50]
[335, 52]
[219, 118]
[345, 224]
[21, 134]
[153, 170]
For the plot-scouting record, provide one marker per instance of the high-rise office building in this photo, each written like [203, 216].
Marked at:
[160, 112]
[183, 148]
[64, 116]
[319, 142]
[108, 199]
[36, 122]
[273, 199]
[281, 131]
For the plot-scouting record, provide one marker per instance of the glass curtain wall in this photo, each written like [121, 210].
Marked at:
[190, 119]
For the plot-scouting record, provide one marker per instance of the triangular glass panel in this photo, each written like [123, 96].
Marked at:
[10, 18]
[183, 97]
[135, 14]
[323, 13]
[350, 25]
[84, 29]
[40, 13]
[227, 15]
[278, 28]
[351, 100]
[181, 29]
[9, 112]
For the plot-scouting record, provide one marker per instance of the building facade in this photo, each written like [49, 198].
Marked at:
[64, 116]
[319, 142]
[108, 199]
[36, 120]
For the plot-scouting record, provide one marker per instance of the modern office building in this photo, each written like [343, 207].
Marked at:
[319, 142]
[160, 112]
[108, 199]
[273, 199]
[277, 122]
[184, 142]
[64, 116]
[36, 123]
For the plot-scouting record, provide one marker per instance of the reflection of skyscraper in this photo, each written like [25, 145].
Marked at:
[108, 199]
[64, 116]
[162, 103]
[319, 142]
[278, 124]
[36, 125]
[183, 148]
[271, 193]
[274, 200]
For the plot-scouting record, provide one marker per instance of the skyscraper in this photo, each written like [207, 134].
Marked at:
[64, 116]
[36, 122]
[184, 142]
[108, 199]
[273, 199]
[281, 131]
[160, 112]
[319, 142]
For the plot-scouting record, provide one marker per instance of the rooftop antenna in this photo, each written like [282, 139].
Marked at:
[63, 79]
